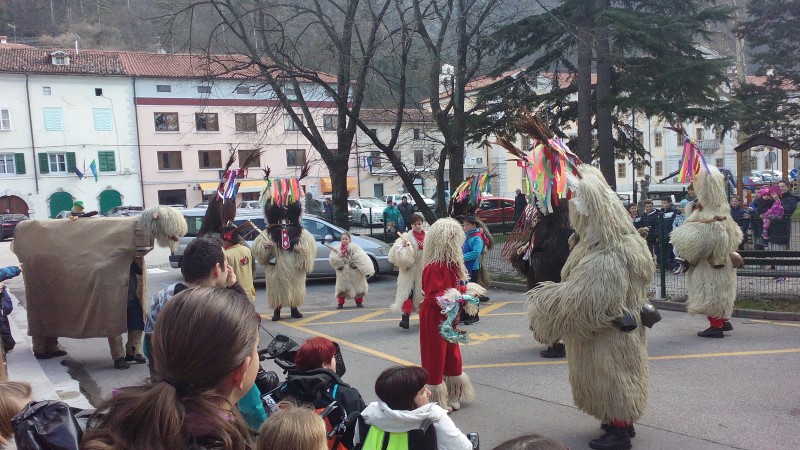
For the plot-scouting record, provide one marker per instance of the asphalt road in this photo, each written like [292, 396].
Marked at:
[737, 392]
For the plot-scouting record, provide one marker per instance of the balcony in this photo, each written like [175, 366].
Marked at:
[708, 145]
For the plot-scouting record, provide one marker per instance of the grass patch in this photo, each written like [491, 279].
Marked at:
[768, 305]
[504, 278]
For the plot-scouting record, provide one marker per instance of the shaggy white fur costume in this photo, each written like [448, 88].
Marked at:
[605, 276]
[706, 244]
[409, 260]
[286, 278]
[351, 282]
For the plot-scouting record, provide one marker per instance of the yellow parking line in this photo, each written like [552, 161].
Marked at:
[358, 347]
[652, 358]
[772, 322]
[487, 309]
[310, 318]
[366, 317]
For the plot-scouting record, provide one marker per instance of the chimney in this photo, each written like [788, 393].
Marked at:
[3, 39]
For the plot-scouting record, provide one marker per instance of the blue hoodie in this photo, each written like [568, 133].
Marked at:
[473, 247]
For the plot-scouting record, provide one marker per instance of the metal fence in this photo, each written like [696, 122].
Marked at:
[767, 274]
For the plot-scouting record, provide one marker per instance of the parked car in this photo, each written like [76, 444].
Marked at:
[322, 231]
[125, 211]
[203, 205]
[8, 222]
[247, 204]
[366, 211]
[399, 197]
[496, 210]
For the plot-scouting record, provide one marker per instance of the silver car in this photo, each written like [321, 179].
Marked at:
[366, 211]
[323, 232]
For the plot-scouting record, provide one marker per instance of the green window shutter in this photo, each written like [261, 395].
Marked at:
[44, 163]
[102, 119]
[53, 119]
[70, 161]
[107, 161]
[19, 163]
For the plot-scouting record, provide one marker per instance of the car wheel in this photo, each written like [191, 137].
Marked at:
[364, 221]
[375, 270]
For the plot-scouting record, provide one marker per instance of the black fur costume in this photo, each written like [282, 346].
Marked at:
[548, 237]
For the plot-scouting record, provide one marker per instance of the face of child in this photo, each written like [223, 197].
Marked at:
[345, 239]
[665, 204]
[417, 226]
[468, 226]
[422, 398]
[648, 207]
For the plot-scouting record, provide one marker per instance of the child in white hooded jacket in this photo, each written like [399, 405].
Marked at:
[405, 404]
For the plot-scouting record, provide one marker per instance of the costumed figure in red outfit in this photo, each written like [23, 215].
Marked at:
[443, 270]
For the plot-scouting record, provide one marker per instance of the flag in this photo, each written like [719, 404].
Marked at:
[93, 168]
[77, 171]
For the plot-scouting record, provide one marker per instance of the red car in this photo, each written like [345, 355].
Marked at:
[7, 224]
[496, 210]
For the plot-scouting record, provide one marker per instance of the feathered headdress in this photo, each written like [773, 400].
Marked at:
[222, 206]
[547, 164]
[467, 196]
[281, 201]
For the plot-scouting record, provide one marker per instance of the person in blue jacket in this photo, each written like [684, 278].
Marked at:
[472, 249]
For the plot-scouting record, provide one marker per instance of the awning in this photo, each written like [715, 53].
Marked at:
[325, 184]
[245, 186]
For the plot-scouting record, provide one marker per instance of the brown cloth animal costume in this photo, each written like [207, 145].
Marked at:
[707, 243]
[604, 278]
[77, 272]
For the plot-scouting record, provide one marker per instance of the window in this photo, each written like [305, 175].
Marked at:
[244, 154]
[163, 88]
[46, 90]
[98, 92]
[417, 134]
[658, 139]
[622, 170]
[107, 162]
[659, 168]
[169, 161]
[206, 122]
[210, 159]
[595, 141]
[526, 143]
[173, 197]
[59, 58]
[399, 155]
[243, 90]
[57, 162]
[288, 123]
[640, 137]
[245, 122]
[53, 119]
[374, 131]
[640, 171]
[698, 132]
[377, 190]
[7, 163]
[295, 158]
[166, 121]
[203, 89]
[375, 157]
[329, 122]
[289, 92]
[719, 162]
[5, 119]
[419, 158]
[102, 119]
[718, 134]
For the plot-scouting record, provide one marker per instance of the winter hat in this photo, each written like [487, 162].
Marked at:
[78, 204]
[764, 191]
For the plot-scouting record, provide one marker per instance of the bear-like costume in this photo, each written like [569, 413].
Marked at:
[707, 241]
[353, 267]
[604, 279]
[406, 254]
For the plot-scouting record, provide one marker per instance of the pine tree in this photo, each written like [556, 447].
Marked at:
[658, 66]
[772, 104]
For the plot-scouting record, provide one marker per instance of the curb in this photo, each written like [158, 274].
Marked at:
[681, 307]
[48, 378]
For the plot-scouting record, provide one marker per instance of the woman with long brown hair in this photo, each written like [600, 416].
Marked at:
[205, 348]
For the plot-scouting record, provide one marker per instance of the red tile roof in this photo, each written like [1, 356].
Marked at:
[140, 64]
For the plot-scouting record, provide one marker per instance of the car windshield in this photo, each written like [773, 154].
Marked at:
[320, 229]
[372, 203]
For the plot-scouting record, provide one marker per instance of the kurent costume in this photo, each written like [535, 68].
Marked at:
[597, 310]
[285, 249]
[707, 242]
[353, 267]
[406, 254]
[443, 269]
[89, 299]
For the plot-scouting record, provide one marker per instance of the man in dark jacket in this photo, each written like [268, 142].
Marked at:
[668, 211]
[407, 211]
[781, 229]
[649, 219]
[520, 202]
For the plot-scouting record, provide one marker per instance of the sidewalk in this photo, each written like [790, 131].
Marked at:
[49, 379]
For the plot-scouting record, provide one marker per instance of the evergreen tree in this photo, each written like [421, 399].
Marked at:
[658, 67]
[771, 105]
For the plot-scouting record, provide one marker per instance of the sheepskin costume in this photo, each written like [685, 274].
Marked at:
[706, 241]
[406, 254]
[443, 269]
[604, 278]
[285, 249]
[352, 270]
